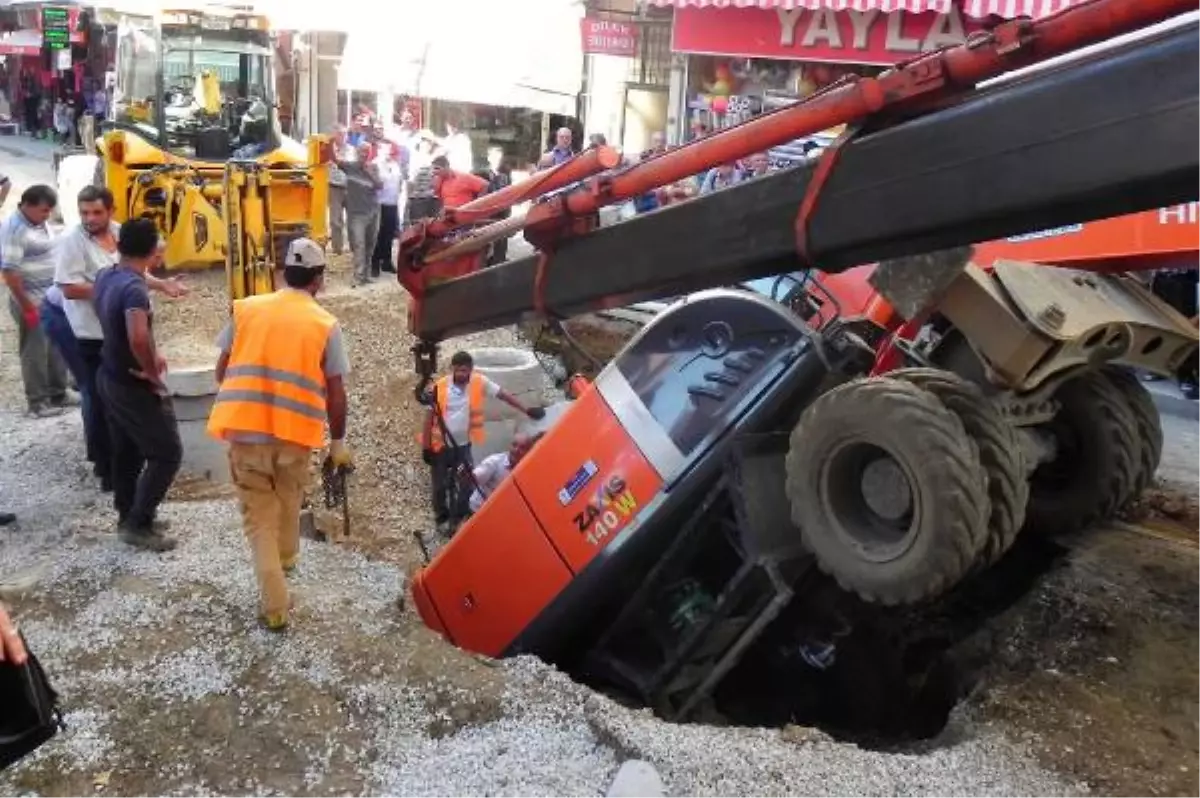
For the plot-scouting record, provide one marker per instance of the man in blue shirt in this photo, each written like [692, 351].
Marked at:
[144, 435]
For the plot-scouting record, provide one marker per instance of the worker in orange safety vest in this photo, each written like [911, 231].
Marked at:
[281, 371]
[459, 399]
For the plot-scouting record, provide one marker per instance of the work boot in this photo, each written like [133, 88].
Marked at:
[277, 621]
[144, 537]
[274, 622]
[69, 398]
[45, 410]
[159, 526]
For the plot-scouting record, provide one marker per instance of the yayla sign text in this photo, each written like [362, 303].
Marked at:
[853, 30]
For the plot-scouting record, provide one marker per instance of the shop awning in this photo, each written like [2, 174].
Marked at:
[474, 51]
[973, 8]
[21, 42]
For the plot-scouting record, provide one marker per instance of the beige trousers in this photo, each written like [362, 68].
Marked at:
[271, 479]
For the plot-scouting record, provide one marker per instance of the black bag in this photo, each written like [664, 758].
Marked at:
[31, 715]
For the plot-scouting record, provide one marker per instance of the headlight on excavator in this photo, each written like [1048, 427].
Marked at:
[325, 152]
[116, 151]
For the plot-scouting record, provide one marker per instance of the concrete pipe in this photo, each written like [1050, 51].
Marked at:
[519, 373]
[192, 393]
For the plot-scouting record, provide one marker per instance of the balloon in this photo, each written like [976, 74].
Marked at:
[720, 104]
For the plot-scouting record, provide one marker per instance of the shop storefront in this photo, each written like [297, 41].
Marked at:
[740, 60]
[469, 64]
[47, 52]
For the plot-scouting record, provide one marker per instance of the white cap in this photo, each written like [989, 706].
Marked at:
[306, 253]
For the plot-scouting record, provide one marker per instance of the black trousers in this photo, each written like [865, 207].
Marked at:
[450, 495]
[499, 252]
[95, 420]
[146, 450]
[389, 225]
[422, 208]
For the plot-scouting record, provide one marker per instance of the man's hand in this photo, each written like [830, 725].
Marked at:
[339, 454]
[175, 287]
[427, 456]
[12, 648]
[155, 380]
[30, 314]
[536, 413]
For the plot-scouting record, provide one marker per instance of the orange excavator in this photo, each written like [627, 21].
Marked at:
[741, 449]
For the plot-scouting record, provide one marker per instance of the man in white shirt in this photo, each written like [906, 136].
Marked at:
[459, 400]
[72, 324]
[393, 172]
[495, 468]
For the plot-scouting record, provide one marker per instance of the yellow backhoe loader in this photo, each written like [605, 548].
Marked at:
[193, 142]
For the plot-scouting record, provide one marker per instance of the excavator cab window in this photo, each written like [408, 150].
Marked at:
[201, 87]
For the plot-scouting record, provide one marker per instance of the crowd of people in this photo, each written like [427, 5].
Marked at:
[383, 180]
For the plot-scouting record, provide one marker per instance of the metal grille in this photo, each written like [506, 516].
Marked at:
[652, 66]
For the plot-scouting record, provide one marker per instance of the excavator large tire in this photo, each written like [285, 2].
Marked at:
[1149, 426]
[1098, 458]
[887, 490]
[1000, 453]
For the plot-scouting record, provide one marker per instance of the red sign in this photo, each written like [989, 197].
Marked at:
[845, 37]
[606, 37]
[1171, 233]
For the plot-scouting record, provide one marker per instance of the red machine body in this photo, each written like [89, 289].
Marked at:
[544, 531]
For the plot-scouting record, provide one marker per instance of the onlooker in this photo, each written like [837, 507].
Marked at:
[391, 163]
[281, 370]
[757, 165]
[74, 327]
[342, 152]
[455, 188]
[458, 399]
[494, 469]
[721, 177]
[27, 255]
[362, 209]
[62, 121]
[597, 140]
[498, 176]
[458, 148]
[563, 149]
[141, 419]
[422, 200]
[652, 200]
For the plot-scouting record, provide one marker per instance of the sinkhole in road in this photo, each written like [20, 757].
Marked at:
[878, 677]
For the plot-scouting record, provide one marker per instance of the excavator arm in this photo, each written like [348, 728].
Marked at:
[931, 162]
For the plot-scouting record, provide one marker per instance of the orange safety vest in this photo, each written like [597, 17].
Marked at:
[475, 400]
[275, 383]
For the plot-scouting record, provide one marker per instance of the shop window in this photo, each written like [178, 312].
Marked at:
[723, 92]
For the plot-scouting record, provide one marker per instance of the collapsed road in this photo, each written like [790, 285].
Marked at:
[168, 688]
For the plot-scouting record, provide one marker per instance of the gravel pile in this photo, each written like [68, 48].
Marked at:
[171, 688]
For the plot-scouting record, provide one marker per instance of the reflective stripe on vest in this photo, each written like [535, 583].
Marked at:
[275, 382]
[475, 400]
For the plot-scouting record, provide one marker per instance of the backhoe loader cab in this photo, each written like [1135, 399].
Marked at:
[193, 141]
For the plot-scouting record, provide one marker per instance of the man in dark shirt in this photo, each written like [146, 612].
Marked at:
[146, 450]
